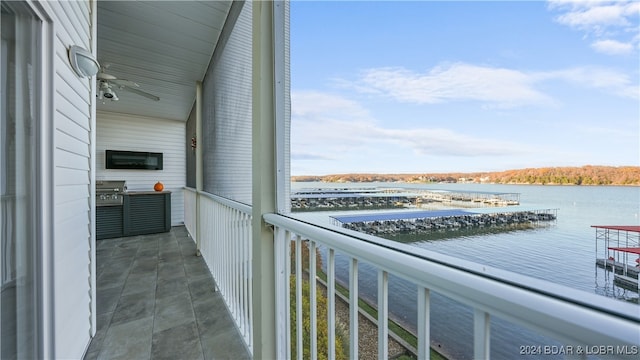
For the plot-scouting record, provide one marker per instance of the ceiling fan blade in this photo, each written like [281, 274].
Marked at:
[140, 92]
[123, 82]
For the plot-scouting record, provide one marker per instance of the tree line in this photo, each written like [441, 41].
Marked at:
[584, 175]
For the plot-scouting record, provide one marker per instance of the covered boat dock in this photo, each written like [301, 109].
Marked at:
[378, 223]
[620, 249]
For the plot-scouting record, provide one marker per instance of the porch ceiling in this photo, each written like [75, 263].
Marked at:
[164, 46]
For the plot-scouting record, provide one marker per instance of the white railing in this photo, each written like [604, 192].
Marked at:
[225, 245]
[583, 323]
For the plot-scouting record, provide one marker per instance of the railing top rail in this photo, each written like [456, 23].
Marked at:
[223, 200]
[586, 319]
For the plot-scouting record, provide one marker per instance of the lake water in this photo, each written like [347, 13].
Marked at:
[562, 253]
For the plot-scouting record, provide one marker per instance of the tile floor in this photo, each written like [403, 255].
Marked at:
[156, 300]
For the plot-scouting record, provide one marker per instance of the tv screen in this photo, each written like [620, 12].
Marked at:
[118, 159]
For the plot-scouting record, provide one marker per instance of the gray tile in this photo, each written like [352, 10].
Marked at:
[131, 340]
[188, 249]
[197, 270]
[210, 313]
[96, 344]
[201, 289]
[143, 282]
[192, 259]
[107, 243]
[133, 307]
[128, 243]
[124, 253]
[144, 266]
[107, 300]
[147, 253]
[104, 252]
[103, 320]
[157, 300]
[173, 286]
[170, 271]
[91, 355]
[120, 263]
[179, 342]
[170, 256]
[225, 344]
[112, 278]
[173, 311]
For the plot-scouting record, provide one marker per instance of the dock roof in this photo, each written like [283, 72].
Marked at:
[404, 215]
[383, 216]
[633, 250]
[629, 228]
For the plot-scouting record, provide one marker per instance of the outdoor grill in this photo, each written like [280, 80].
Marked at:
[110, 192]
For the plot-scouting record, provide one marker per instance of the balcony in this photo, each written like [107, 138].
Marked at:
[559, 318]
[156, 299]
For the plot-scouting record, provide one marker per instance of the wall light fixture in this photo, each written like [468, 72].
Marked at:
[83, 62]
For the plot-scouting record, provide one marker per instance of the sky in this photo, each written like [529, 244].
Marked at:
[452, 86]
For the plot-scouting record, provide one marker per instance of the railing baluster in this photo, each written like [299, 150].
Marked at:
[299, 296]
[249, 279]
[383, 312]
[313, 301]
[236, 266]
[481, 334]
[331, 300]
[353, 308]
[424, 323]
[233, 258]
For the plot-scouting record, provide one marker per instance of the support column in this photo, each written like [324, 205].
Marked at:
[264, 175]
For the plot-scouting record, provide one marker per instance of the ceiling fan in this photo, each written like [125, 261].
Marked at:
[107, 84]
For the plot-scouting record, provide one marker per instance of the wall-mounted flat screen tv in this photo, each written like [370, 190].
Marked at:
[118, 159]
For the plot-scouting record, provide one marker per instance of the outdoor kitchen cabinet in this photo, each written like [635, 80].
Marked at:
[141, 212]
[147, 212]
[109, 222]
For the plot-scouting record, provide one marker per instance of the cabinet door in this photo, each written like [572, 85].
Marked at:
[147, 214]
[109, 222]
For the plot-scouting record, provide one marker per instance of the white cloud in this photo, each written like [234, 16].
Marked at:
[603, 20]
[609, 80]
[612, 47]
[341, 127]
[499, 86]
[595, 15]
[495, 87]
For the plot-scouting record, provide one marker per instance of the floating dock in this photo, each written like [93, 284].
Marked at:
[387, 198]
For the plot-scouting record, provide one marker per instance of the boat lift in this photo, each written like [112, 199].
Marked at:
[621, 245]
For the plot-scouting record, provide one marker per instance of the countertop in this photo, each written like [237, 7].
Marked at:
[142, 192]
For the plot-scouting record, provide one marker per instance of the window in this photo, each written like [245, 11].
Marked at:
[20, 79]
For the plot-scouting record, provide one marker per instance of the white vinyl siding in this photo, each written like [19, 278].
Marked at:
[227, 117]
[135, 133]
[72, 167]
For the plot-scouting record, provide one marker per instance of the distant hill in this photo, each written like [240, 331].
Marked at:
[585, 175]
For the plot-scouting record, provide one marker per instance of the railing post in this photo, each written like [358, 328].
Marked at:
[481, 335]
[313, 300]
[299, 330]
[353, 308]
[383, 312]
[424, 323]
[331, 303]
